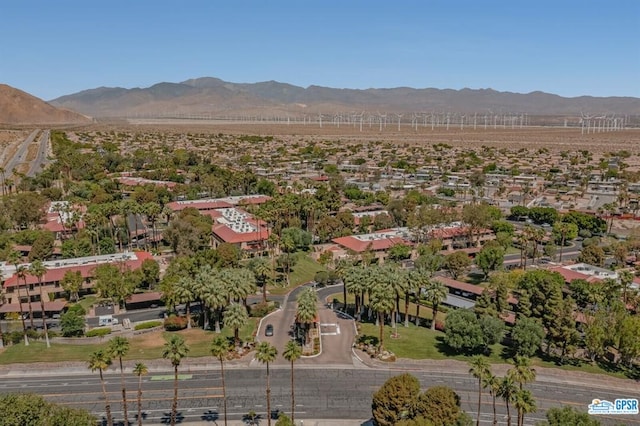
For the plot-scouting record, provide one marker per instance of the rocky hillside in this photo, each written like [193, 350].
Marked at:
[18, 107]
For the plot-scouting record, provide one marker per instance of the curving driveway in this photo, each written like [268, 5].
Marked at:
[337, 331]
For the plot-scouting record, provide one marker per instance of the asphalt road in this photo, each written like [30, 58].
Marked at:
[322, 392]
[41, 157]
[20, 156]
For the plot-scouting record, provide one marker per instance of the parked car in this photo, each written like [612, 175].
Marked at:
[268, 331]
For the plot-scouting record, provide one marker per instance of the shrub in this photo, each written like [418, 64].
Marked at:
[175, 323]
[261, 309]
[98, 332]
[147, 325]
[15, 337]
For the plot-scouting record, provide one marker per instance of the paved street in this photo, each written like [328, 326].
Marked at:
[337, 384]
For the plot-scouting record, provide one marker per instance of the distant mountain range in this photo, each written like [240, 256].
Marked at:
[218, 98]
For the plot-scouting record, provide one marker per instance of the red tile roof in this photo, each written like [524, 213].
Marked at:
[144, 297]
[199, 205]
[459, 285]
[570, 275]
[55, 306]
[228, 235]
[56, 274]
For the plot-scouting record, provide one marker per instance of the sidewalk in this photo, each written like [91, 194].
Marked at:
[305, 422]
[543, 374]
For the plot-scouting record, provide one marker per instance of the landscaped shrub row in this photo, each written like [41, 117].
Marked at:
[98, 332]
[175, 323]
[261, 309]
[147, 325]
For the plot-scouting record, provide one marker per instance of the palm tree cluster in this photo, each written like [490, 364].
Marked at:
[510, 388]
[175, 349]
[307, 310]
[221, 294]
[383, 286]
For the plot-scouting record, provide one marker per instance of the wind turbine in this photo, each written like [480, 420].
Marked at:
[399, 118]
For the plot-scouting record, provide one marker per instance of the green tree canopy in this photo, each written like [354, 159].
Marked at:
[457, 263]
[24, 409]
[527, 336]
[566, 415]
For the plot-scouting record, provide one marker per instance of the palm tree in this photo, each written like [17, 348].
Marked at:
[174, 350]
[235, 316]
[100, 360]
[21, 272]
[38, 270]
[398, 280]
[307, 310]
[292, 352]
[507, 391]
[523, 241]
[220, 349]
[525, 404]
[119, 347]
[493, 384]
[266, 353]
[214, 295]
[480, 369]
[435, 293]
[521, 372]
[262, 269]
[341, 271]
[184, 294]
[152, 210]
[381, 301]
[140, 370]
[352, 283]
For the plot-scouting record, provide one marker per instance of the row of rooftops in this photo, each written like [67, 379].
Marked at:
[218, 203]
[85, 265]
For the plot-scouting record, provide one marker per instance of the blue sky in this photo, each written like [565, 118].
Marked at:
[571, 48]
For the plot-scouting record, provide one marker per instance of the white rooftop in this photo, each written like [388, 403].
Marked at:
[7, 269]
[237, 220]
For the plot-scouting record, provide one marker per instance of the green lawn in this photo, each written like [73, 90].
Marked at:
[431, 346]
[304, 271]
[145, 346]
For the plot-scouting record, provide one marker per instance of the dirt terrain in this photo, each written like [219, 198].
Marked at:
[556, 139]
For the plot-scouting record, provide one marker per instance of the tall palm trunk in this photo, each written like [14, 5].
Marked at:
[188, 312]
[508, 413]
[26, 287]
[435, 315]
[174, 404]
[293, 398]
[44, 317]
[124, 394]
[224, 391]
[479, 401]
[381, 325]
[24, 324]
[107, 406]
[495, 415]
[140, 400]
[406, 309]
[268, 398]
